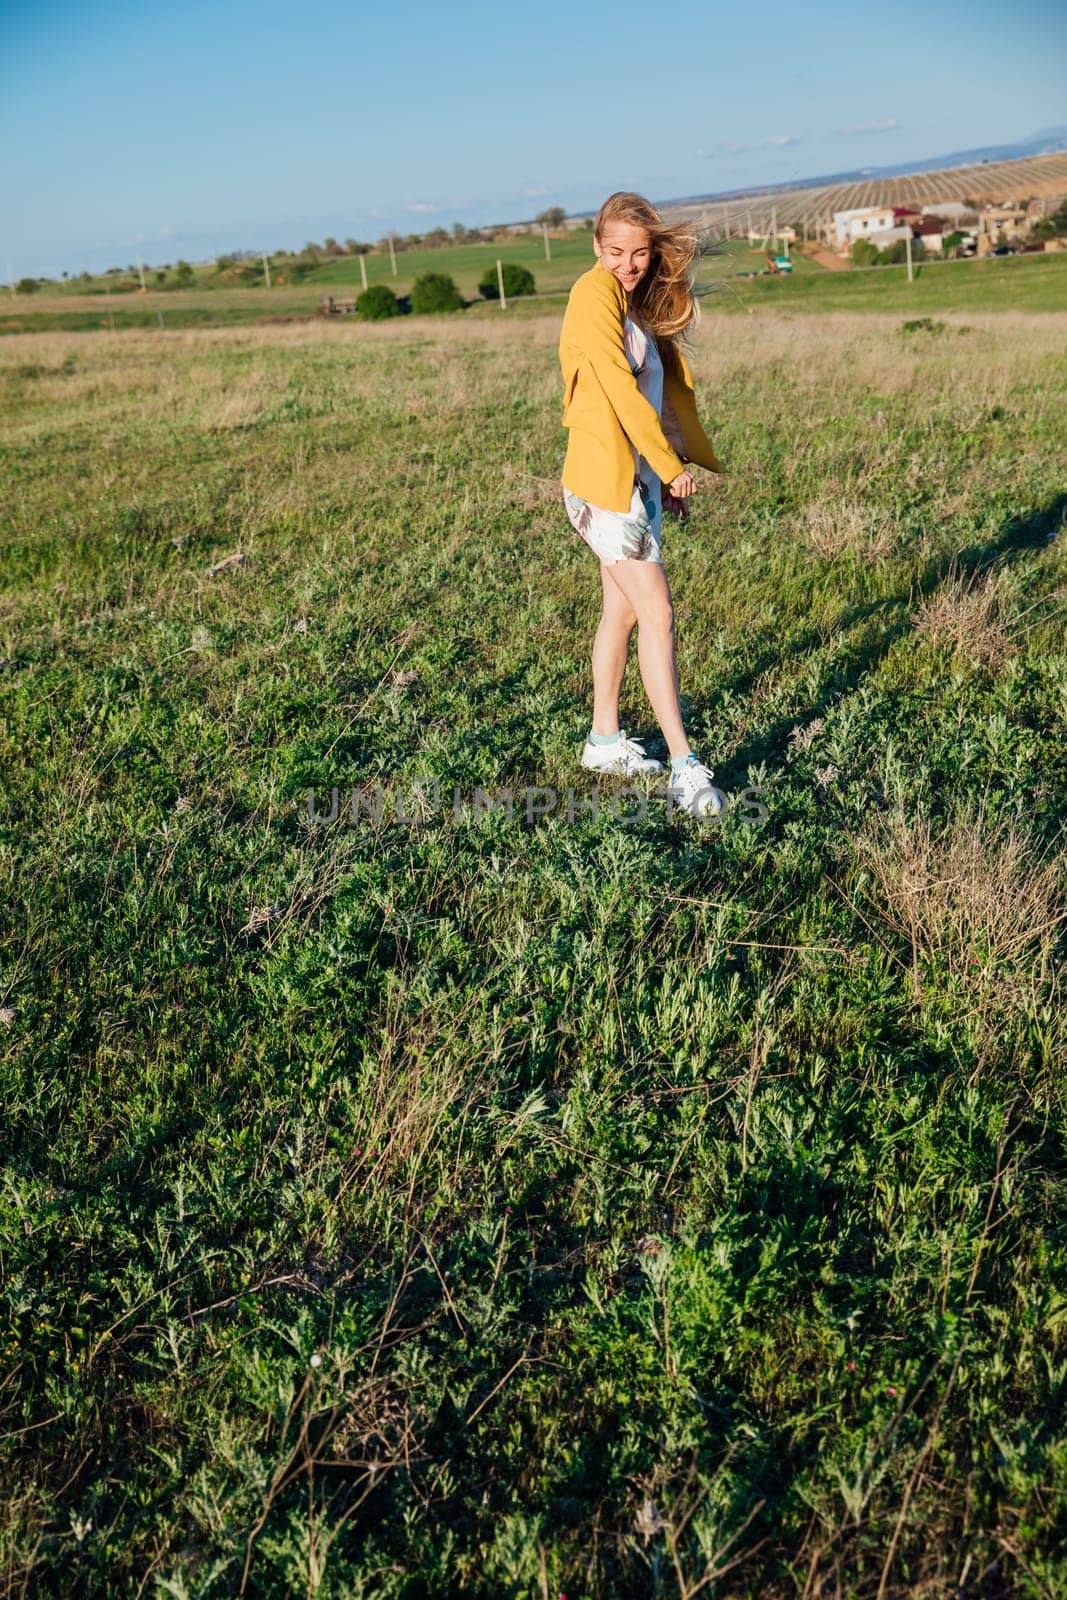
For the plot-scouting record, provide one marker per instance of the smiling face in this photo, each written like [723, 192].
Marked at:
[624, 250]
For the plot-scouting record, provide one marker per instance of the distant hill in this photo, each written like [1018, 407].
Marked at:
[1048, 141]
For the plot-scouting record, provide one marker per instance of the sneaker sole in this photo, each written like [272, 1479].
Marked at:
[619, 770]
[716, 809]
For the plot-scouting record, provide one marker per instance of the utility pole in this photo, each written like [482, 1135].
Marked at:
[266, 268]
[392, 254]
[907, 251]
[548, 252]
[500, 281]
[140, 269]
[774, 225]
[363, 266]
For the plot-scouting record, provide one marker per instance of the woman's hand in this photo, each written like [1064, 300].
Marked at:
[675, 496]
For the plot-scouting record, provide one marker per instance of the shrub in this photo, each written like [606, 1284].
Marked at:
[517, 280]
[377, 302]
[435, 291]
[863, 253]
[895, 253]
[184, 274]
[922, 325]
[27, 286]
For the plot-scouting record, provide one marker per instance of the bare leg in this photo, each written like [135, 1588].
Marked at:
[643, 585]
[610, 651]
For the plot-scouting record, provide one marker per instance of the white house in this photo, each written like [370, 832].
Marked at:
[860, 223]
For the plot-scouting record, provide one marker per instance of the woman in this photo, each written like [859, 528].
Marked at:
[630, 409]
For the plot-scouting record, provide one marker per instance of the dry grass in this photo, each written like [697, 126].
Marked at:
[833, 527]
[981, 907]
[971, 614]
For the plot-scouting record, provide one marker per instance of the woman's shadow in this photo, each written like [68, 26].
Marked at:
[1032, 531]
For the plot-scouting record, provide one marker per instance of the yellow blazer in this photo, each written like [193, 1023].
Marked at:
[604, 410]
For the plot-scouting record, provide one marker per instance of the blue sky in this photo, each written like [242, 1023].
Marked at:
[190, 128]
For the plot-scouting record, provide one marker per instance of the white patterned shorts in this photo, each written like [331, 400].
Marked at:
[633, 535]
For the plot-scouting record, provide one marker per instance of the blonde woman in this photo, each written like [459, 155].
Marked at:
[633, 433]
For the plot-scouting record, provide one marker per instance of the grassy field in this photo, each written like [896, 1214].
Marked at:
[442, 1204]
[1025, 283]
[465, 263]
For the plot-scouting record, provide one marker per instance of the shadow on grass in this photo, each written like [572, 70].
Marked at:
[1020, 534]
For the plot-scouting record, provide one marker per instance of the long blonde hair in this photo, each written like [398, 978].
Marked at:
[664, 297]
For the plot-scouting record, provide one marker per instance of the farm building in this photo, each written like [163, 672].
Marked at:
[1008, 219]
[862, 223]
[933, 232]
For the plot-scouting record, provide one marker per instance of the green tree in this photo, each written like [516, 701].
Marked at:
[517, 280]
[435, 291]
[377, 302]
[184, 274]
[863, 253]
[27, 286]
[555, 216]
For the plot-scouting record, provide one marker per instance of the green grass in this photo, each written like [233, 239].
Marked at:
[994, 283]
[668, 1210]
[1023, 283]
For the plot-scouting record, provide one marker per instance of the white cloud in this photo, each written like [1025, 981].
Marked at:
[887, 125]
[429, 206]
[167, 232]
[718, 152]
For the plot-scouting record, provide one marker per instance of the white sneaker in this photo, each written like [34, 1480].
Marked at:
[693, 791]
[625, 756]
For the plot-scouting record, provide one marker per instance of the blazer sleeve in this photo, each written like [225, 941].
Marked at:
[600, 334]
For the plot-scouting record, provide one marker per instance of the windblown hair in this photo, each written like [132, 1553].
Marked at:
[664, 297]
